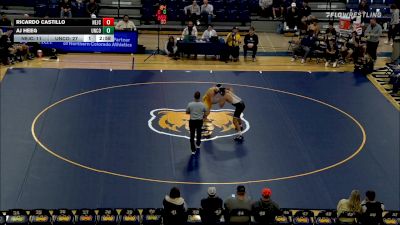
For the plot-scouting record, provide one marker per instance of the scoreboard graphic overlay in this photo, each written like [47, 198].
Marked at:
[64, 30]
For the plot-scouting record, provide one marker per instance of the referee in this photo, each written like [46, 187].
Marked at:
[197, 111]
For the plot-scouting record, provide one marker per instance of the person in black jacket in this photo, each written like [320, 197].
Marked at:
[332, 53]
[265, 210]
[212, 207]
[292, 16]
[79, 8]
[92, 8]
[304, 10]
[250, 43]
[372, 210]
[174, 208]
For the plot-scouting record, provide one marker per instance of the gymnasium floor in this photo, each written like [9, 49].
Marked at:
[79, 138]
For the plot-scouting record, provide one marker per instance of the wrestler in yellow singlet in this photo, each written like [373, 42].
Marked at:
[211, 97]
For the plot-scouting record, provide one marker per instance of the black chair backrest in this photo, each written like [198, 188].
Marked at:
[373, 213]
[107, 217]
[40, 217]
[211, 216]
[174, 216]
[348, 218]
[85, 217]
[2, 218]
[391, 217]
[284, 218]
[327, 213]
[239, 216]
[152, 216]
[303, 217]
[392, 214]
[264, 216]
[193, 216]
[326, 217]
[17, 216]
[349, 215]
[372, 218]
[129, 217]
[63, 216]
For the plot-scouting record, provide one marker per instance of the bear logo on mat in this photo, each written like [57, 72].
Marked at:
[175, 122]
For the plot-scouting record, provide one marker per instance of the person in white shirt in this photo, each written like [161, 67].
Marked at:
[190, 30]
[192, 12]
[265, 8]
[210, 32]
[125, 24]
[207, 12]
[170, 47]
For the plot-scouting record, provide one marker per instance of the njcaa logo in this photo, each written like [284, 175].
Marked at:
[175, 122]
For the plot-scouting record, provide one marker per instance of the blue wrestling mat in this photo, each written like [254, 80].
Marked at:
[73, 138]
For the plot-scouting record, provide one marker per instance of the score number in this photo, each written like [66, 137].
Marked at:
[162, 14]
[108, 25]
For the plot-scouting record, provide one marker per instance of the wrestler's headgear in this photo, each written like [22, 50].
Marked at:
[222, 91]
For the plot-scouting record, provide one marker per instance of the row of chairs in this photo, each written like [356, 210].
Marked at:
[228, 10]
[392, 72]
[154, 216]
[371, 2]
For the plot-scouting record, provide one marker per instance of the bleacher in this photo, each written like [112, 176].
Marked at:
[154, 216]
[228, 13]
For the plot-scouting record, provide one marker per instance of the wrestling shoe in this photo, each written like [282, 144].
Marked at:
[238, 138]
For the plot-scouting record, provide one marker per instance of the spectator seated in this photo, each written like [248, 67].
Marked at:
[211, 217]
[217, 11]
[239, 216]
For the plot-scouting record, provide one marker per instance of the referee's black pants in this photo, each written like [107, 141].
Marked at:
[195, 127]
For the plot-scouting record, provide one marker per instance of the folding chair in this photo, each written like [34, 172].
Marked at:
[17, 217]
[63, 217]
[262, 216]
[193, 216]
[348, 218]
[40, 217]
[239, 216]
[107, 217]
[284, 218]
[391, 217]
[85, 217]
[129, 217]
[152, 216]
[326, 217]
[303, 217]
[174, 217]
[2, 219]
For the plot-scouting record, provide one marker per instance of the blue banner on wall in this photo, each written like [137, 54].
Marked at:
[124, 42]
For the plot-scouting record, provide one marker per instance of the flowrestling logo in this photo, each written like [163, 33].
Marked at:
[354, 14]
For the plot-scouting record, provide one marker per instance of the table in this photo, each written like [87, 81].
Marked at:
[202, 48]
